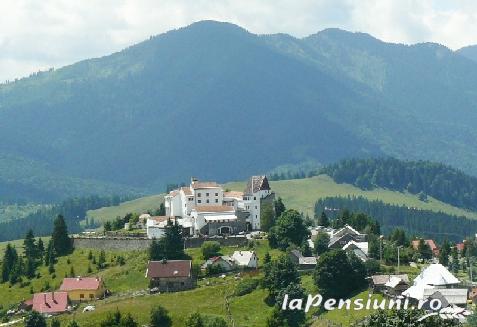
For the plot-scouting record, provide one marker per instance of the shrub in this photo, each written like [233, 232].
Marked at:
[210, 249]
[160, 317]
[246, 286]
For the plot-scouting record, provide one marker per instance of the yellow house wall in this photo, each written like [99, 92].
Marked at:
[75, 295]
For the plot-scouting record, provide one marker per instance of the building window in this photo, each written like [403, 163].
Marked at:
[91, 296]
[81, 296]
[216, 200]
[198, 195]
[216, 194]
[256, 207]
[255, 198]
[207, 200]
[206, 194]
[199, 201]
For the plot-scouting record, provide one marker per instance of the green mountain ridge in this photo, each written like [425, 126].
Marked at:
[216, 101]
[22, 180]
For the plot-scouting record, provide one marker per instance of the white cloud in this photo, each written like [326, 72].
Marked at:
[51, 33]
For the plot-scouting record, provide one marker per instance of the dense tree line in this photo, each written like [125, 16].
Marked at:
[437, 225]
[15, 266]
[41, 222]
[440, 181]
[301, 170]
[406, 318]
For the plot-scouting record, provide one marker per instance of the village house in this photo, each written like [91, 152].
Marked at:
[460, 247]
[82, 289]
[432, 245]
[222, 263]
[207, 209]
[245, 259]
[170, 275]
[303, 263]
[392, 285]
[50, 303]
[350, 240]
[436, 278]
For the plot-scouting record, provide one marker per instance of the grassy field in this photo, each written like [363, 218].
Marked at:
[301, 194]
[128, 284]
[118, 278]
[18, 244]
[140, 205]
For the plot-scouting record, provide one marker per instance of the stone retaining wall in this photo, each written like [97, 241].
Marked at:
[130, 244]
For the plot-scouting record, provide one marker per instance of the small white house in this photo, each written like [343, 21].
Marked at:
[155, 226]
[245, 259]
[436, 279]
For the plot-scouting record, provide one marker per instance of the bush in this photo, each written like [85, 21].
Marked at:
[213, 270]
[246, 286]
[372, 266]
[160, 317]
[210, 249]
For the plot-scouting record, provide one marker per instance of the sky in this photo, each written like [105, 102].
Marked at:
[38, 35]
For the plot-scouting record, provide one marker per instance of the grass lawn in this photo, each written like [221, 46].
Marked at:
[139, 205]
[301, 194]
[205, 299]
[18, 244]
[128, 281]
[117, 278]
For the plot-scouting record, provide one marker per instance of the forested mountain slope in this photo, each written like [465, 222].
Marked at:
[440, 181]
[216, 101]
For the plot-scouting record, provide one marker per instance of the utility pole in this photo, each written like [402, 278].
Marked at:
[381, 249]
[398, 248]
[470, 271]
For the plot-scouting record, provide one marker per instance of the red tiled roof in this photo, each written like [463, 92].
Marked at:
[52, 302]
[82, 283]
[197, 185]
[255, 184]
[169, 269]
[233, 194]
[431, 243]
[186, 190]
[214, 208]
[28, 303]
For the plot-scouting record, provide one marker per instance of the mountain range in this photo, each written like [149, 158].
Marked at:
[215, 101]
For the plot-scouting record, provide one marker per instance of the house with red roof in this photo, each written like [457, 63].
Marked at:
[50, 303]
[170, 275]
[81, 289]
[460, 247]
[432, 245]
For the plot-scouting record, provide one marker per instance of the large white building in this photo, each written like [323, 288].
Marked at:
[209, 210]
